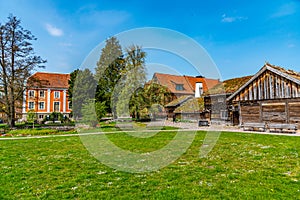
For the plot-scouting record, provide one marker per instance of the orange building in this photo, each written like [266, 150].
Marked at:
[47, 93]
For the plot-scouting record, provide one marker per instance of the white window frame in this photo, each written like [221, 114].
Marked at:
[43, 92]
[56, 96]
[43, 105]
[29, 93]
[58, 106]
[41, 116]
[224, 114]
[179, 87]
[31, 103]
[220, 99]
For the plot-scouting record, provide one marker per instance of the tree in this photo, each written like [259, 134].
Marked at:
[135, 79]
[71, 82]
[83, 90]
[31, 117]
[151, 98]
[17, 61]
[109, 70]
[137, 103]
[92, 112]
[157, 94]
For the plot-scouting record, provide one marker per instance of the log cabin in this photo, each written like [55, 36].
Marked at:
[272, 95]
[215, 101]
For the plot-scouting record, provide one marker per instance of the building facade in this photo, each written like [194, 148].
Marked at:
[47, 93]
[272, 95]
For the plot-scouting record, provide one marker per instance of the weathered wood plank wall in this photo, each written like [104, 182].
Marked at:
[271, 111]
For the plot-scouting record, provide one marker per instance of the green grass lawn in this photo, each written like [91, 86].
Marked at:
[241, 166]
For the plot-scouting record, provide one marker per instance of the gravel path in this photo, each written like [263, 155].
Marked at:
[184, 126]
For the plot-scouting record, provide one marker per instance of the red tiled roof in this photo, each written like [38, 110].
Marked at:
[188, 82]
[49, 80]
[207, 82]
[170, 82]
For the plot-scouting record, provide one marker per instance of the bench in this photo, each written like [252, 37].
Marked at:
[254, 127]
[282, 128]
[203, 122]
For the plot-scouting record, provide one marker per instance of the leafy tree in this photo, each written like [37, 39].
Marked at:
[135, 79]
[56, 116]
[17, 61]
[153, 97]
[108, 72]
[157, 94]
[137, 103]
[100, 109]
[83, 90]
[71, 82]
[31, 117]
[89, 115]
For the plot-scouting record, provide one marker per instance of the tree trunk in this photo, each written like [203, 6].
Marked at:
[11, 116]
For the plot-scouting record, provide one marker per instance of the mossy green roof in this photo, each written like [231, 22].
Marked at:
[228, 86]
[191, 105]
[178, 101]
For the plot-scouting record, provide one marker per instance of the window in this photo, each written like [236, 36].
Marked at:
[41, 105]
[41, 116]
[31, 105]
[56, 94]
[56, 106]
[31, 93]
[179, 86]
[224, 114]
[220, 99]
[42, 93]
[70, 105]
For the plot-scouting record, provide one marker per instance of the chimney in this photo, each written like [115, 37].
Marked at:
[198, 89]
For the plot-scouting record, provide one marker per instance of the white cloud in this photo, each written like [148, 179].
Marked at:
[226, 19]
[52, 30]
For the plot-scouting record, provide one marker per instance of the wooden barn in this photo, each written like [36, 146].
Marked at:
[271, 96]
[170, 107]
[192, 110]
[215, 101]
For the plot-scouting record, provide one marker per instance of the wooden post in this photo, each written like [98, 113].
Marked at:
[287, 111]
[260, 112]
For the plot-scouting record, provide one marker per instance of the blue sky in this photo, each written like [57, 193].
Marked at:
[239, 36]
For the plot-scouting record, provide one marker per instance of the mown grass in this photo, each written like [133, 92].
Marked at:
[37, 132]
[241, 166]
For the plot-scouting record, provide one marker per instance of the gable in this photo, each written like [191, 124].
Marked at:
[270, 82]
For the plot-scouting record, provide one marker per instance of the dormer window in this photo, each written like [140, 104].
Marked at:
[179, 87]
